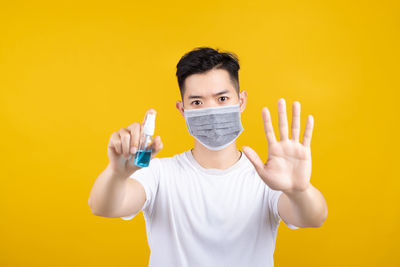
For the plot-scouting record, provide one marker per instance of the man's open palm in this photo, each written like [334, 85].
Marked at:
[288, 167]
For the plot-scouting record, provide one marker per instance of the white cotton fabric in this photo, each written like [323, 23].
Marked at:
[208, 217]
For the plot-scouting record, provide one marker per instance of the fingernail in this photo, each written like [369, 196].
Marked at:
[133, 150]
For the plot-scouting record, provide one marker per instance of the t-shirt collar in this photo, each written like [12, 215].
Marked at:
[214, 171]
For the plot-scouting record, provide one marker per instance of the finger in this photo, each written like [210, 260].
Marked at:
[308, 131]
[269, 130]
[135, 131]
[125, 141]
[296, 121]
[254, 159]
[283, 124]
[115, 142]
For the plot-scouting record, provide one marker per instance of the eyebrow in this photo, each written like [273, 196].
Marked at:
[217, 94]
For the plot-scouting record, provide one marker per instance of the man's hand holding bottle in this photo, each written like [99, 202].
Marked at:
[135, 140]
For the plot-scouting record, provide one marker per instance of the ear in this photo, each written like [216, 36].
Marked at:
[242, 100]
[179, 106]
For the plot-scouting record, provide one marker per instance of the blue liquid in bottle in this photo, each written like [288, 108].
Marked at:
[142, 158]
[143, 154]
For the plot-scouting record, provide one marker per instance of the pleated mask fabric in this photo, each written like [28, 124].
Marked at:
[214, 127]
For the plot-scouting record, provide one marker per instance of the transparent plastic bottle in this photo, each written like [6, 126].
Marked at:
[143, 154]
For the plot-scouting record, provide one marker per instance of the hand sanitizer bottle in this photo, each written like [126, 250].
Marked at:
[143, 154]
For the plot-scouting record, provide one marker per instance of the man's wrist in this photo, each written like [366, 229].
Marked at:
[295, 194]
[116, 174]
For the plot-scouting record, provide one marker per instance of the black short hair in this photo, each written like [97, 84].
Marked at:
[203, 59]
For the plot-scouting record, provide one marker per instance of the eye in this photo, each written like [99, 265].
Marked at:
[223, 98]
[196, 102]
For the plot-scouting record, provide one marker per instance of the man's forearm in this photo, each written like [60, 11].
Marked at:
[308, 207]
[107, 193]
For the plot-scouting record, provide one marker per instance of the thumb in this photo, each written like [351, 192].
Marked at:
[156, 146]
[254, 159]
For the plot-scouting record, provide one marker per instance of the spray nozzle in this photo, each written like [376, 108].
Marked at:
[149, 125]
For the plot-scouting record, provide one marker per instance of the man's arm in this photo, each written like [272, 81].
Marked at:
[303, 209]
[115, 196]
[113, 193]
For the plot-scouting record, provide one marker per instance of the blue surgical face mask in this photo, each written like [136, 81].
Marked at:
[214, 127]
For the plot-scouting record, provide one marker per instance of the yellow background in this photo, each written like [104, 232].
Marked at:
[72, 72]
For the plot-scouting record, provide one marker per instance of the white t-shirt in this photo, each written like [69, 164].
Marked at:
[208, 217]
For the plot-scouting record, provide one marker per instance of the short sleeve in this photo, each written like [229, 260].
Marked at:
[149, 178]
[273, 197]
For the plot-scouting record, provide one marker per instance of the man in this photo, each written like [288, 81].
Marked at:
[213, 205]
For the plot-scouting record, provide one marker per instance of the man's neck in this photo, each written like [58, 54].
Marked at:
[220, 159]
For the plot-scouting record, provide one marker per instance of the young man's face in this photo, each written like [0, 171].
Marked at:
[211, 89]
